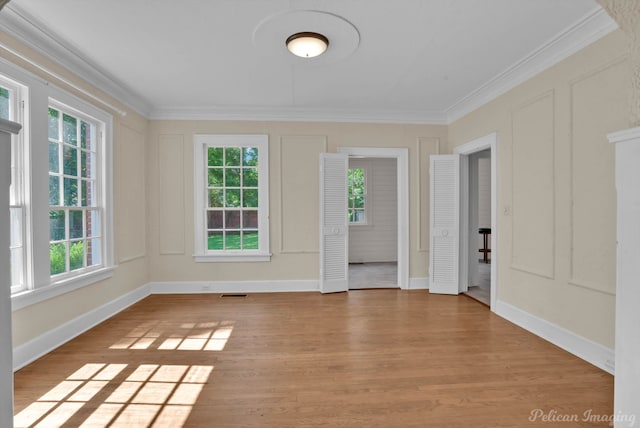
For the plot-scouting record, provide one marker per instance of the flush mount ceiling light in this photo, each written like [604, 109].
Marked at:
[307, 44]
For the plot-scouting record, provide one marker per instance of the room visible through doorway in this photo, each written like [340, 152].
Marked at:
[373, 223]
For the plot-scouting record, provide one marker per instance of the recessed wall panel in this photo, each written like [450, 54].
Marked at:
[426, 147]
[534, 186]
[300, 172]
[599, 106]
[171, 194]
[131, 213]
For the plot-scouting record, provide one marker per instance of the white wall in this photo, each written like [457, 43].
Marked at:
[377, 241]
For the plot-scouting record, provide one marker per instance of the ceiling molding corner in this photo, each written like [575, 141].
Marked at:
[590, 28]
[27, 30]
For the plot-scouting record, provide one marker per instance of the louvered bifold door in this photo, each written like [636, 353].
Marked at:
[444, 224]
[334, 236]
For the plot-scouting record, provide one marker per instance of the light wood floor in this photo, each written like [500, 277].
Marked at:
[373, 358]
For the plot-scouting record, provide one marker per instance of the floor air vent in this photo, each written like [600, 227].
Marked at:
[233, 295]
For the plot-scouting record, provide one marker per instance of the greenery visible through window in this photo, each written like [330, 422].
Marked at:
[232, 198]
[74, 213]
[5, 102]
[357, 189]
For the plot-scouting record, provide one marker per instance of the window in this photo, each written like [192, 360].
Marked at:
[231, 197]
[61, 234]
[74, 192]
[357, 189]
[11, 94]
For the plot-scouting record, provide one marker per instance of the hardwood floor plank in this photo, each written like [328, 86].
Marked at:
[369, 358]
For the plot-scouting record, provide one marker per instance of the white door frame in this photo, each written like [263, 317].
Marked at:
[487, 142]
[402, 177]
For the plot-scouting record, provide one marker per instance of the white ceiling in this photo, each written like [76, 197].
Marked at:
[422, 61]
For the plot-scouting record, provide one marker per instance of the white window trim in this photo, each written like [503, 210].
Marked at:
[19, 106]
[39, 284]
[200, 143]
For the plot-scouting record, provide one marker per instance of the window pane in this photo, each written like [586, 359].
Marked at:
[215, 241]
[16, 267]
[214, 156]
[15, 223]
[216, 198]
[75, 225]
[216, 177]
[70, 159]
[232, 178]
[250, 177]
[69, 130]
[232, 156]
[232, 241]
[232, 219]
[84, 129]
[4, 103]
[249, 156]
[250, 219]
[250, 240]
[250, 198]
[358, 202]
[70, 192]
[54, 190]
[215, 220]
[88, 193]
[233, 198]
[56, 225]
[54, 124]
[57, 258]
[76, 255]
[94, 252]
[54, 158]
[92, 223]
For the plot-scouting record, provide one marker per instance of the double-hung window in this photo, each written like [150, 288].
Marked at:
[231, 197]
[61, 234]
[11, 96]
[75, 191]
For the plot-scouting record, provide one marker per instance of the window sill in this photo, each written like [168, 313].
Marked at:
[31, 297]
[216, 258]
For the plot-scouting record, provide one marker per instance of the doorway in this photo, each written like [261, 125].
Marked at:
[373, 223]
[334, 252]
[478, 208]
[479, 260]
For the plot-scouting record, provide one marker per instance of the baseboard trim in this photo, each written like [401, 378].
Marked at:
[47, 342]
[592, 352]
[419, 283]
[287, 286]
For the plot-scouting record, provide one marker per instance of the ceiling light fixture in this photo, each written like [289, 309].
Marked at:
[307, 44]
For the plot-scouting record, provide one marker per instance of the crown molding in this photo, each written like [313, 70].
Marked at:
[287, 114]
[27, 30]
[587, 30]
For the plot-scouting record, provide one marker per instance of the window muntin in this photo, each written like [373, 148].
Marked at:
[357, 196]
[231, 197]
[75, 220]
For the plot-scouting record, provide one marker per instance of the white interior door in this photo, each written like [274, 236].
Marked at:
[334, 236]
[444, 248]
